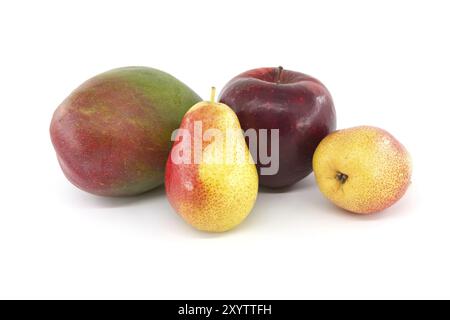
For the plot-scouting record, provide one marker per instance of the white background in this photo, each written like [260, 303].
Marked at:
[386, 64]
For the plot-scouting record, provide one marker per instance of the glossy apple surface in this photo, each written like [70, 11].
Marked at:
[298, 105]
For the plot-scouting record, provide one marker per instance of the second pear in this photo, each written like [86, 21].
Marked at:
[211, 179]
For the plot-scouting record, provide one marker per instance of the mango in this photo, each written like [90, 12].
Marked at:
[112, 135]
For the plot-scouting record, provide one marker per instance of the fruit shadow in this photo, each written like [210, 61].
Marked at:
[262, 210]
[402, 207]
[118, 202]
[249, 224]
[306, 183]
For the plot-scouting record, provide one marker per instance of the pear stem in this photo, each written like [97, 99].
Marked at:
[280, 71]
[213, 95]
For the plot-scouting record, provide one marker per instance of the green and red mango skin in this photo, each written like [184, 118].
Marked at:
[112, 135]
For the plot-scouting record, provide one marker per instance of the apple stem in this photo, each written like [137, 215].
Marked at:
[213, 94]
[341, 177]
[280, 71]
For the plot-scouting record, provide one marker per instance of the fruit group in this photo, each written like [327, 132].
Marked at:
[112, 134]
[296, 104]
[215, 187]
[362, 169]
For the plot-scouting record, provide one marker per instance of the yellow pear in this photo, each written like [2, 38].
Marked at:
[362, 169]
[211, 179]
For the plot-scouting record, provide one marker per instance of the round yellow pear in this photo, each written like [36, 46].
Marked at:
[362, 169]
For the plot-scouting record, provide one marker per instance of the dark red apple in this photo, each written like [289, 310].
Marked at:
[298, 105]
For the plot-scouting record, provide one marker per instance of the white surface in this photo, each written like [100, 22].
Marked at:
[386, 63]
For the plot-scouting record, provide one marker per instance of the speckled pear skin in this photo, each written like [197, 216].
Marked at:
[112, 134]
[362, 169]
[212, 197]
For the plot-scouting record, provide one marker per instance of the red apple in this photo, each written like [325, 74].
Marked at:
[298, 105]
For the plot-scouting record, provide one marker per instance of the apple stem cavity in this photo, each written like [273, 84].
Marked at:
[280, 71]
[341, 177]
[213, 95]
